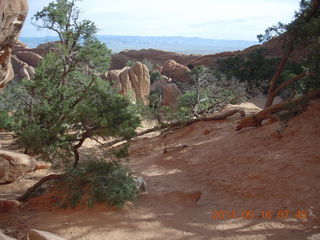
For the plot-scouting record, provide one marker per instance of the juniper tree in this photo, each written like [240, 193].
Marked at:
[67, 102]
[301, 36]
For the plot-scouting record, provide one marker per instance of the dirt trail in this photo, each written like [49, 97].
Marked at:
[219, 169]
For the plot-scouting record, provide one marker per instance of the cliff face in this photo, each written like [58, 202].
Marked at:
[12, 17]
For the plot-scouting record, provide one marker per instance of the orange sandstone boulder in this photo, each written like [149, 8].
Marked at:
[176, 71]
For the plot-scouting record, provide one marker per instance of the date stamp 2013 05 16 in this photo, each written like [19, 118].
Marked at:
[262, 214]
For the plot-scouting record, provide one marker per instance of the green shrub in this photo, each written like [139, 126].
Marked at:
[209, 92]
[5, 121]
[155, 76]
[130, 63]
[254, 69]
[148, 63]
[98, 181]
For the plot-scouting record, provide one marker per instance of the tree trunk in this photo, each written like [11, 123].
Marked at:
[180, 124]
[31, 190]
[315, 5]
[256, 119]
[273, 82]
[76, 157]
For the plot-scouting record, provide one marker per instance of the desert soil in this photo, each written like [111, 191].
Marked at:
[219, 169]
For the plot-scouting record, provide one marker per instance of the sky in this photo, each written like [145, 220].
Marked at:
[213, 19]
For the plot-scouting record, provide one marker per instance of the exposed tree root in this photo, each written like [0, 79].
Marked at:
[31, 190]
[255, 120]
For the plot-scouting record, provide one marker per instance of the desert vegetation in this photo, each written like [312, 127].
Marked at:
[73, 98]
[67, 102]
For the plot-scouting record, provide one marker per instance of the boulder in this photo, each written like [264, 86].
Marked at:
[126, 85]
[14, 165]
[12, 17]
[176, 71]
[113, 76]
[42, 235]
[28, 57]
[133, 82]
[169, 92]
[23, 73]
[140, 81]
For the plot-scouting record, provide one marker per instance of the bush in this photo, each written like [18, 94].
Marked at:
[155, 76]
[254, 69]
[98, 181]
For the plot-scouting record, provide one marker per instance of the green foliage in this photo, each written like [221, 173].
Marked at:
[292, 110]
[67, 102]
[122, 152]
[130, 63]
[5, 121]
[209, 92]
[254, 69]
[301, 38]
[155, 76]
[148, 63]
[97, 181]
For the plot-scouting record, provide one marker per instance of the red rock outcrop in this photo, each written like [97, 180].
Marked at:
[31, 58]
[120, 59]
[212, 59]
[175, 71]
[169, 92]
[12, 15]
[133, 82]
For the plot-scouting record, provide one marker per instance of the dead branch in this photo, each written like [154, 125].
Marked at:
[255, 120]
[175, 125]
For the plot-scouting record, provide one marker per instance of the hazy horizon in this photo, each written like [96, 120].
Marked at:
[207, 19]
[180, 44]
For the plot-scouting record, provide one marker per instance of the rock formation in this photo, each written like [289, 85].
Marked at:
[31, 58]
[14, 165]
[120, 59]
[12, 17]
[176, 71]
[169, 92]
[212, 59]
[133, 82]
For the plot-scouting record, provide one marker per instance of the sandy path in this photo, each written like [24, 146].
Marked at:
[251, 170]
